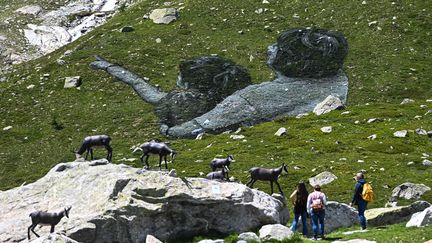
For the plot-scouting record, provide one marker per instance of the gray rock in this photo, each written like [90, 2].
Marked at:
[421, 219]
[164, 15]
[407, 101]
[394, 215]
[275, 232]
[152, 239]
[30, 9]
[337, 215]
[249, 236]
[408, 191]
[237, 137]
[323, 178]
[72, 82]
[328, 104]
[127, 29]
[421, 131]
[311, 53]
[99, 162]
[211, 241]
[327, 129]
[47, 38]
[281, 131]
[429, 133]
[114, 203]
[400, 134]
[53, 238]
[427, 162]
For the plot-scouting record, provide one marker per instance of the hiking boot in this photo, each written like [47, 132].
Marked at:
[314, 238]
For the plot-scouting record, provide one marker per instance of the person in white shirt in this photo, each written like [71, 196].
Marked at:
[316, 203]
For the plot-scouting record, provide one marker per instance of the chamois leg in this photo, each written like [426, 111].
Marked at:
[52, 229]
[271, 186]
[277, 183]
[160, 162]
[250, 183]
[91, 153]
[109, 156]
[146, 160]
[247, 184]
[32, 230]
[166, 162]
[28, 231]
[87, 152]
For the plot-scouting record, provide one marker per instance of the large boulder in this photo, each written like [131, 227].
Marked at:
[394, 215]
[203, 82]
[328, 104]
[337, 215]
[311, 53]
[30, 10]
[116, 203]
[276, 232]
[164, 15]
[421, 218]
[408, 191]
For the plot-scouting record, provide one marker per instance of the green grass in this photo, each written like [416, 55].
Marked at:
[384, 65]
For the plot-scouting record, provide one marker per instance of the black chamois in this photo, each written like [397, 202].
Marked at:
[96, 141]
[157, 148]
[45, 218]
[219, 175]
[262, 174]
[220, 163]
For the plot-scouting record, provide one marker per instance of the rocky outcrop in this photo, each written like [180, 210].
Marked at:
[249, 236]
[420, 219]
[394, 215]
[30, 9]
[408, 191]
[115, 203]
[337, 215]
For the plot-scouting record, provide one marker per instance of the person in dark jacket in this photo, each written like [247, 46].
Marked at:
[299, 199]
[358, 199]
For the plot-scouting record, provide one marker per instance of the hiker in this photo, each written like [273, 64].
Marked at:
[299, 198]
[358, 199]
[316, 203]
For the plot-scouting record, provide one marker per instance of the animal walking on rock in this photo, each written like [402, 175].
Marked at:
[96, 141]
[45, 218]
[157, 148]
[262, 174]
[221, 163]
[219, 175]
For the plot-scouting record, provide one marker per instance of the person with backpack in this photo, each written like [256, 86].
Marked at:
[299, 199]
[358, 198]
[316, 203]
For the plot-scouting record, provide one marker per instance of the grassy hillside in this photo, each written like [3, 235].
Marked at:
[388, 60]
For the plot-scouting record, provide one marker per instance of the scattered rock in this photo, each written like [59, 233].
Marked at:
[410, 163]
[327, 129]
[372, 137]
[421, 219]
[237, 137]
[321, 179]
[72, 82]
[164, 15]
[427, 162]
[338, 215]
[249, 236]
[31, 86]
[152, 239]
[372, 120]
[117, 205]
[30, 9]
[281, 131]
[400, 134]
[7, 128]
[328, 104]
[407, 101]
[200, 136]
[302, 115]
[275, 232]
[127, 29]
[408, 191]
[394, 215]
[422, 132]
